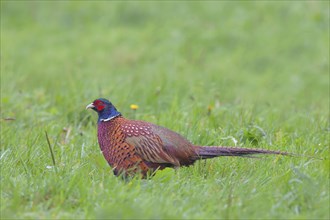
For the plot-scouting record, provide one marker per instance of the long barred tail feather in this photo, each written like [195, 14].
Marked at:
[205, 152]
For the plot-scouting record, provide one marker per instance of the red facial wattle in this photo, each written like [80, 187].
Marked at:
[99, 105]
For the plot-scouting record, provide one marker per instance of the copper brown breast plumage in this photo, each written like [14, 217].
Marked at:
[132, 146]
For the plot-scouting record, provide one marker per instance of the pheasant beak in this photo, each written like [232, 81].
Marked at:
[90, 106]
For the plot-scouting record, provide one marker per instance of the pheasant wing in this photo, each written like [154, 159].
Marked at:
[158, 144]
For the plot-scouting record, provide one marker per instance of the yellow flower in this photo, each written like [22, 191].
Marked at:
[209, 109]
[134, 107]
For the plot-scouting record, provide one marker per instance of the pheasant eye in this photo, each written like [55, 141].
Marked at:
[99, 105]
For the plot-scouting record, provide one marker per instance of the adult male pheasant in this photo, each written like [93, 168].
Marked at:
[132, 146]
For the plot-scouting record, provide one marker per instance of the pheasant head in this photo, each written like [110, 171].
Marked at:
[104, 109]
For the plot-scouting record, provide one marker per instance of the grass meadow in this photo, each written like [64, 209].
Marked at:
[250, 73]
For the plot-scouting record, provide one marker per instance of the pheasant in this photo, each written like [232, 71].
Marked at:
[132, 146]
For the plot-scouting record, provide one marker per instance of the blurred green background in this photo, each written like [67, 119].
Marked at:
[195, 48]
[215, 71]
